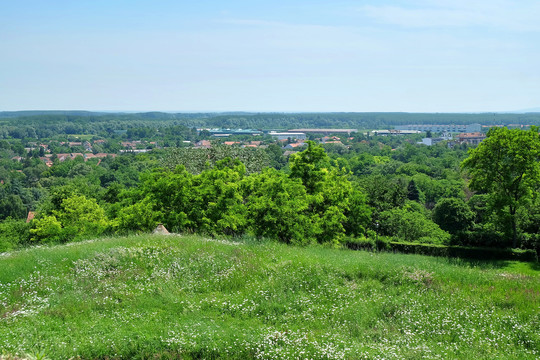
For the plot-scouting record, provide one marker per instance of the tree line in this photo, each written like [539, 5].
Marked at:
[377, 187]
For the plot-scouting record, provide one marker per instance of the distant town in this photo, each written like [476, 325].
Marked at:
[291, 140]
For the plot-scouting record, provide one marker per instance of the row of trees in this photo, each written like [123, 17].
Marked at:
[315, 202]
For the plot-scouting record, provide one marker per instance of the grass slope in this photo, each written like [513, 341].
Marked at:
[164, 297]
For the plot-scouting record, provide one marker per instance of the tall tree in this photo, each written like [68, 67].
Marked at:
[507, 166]
[412, 191]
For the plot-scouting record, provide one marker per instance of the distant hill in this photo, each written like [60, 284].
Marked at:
[239, 120]
[15, 114]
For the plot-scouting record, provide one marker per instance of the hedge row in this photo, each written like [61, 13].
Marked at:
[477, 253]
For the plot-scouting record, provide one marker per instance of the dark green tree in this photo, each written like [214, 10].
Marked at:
[12, 206]
[412, 191]
[453, 215]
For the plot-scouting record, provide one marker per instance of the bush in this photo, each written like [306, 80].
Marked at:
[76, 217]
[410, 225]
[359, 243]
[362, 243]
[481, 237]
[13, 233]
[477, 253]
[47, 229]
[453, 215]
[531, 241]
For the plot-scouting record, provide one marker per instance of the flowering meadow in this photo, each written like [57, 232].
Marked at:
[188, 297]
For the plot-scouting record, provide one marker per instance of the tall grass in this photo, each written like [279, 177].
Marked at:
[170, 297]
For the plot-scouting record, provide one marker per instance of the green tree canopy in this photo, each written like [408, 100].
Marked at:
[453, 215]
[507, 166]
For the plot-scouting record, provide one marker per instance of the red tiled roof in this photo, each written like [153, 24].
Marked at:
[30, 216]
[471, 135]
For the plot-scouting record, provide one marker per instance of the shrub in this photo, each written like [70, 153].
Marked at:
[76, 217]
[481, 236]
[453, 215]
[13, 233]
[410, 225]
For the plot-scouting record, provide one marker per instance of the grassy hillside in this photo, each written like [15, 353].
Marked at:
[164, 297]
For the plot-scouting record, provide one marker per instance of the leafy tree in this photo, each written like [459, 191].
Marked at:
[453, 215]
[12, 206]
[277, 207]
[310, 166]
[334, 208]
[217, 204]
[83, 216]
[46, 229]
[138, 216]
[13, 233]
[171, 196]
[80, 169]
[507, 166]
[410, 223]
[383, 193]
[197, 160]
[76, 217]
[275, 153]
[478, 204]
[412, 191]
[329, 205]
[359, 213]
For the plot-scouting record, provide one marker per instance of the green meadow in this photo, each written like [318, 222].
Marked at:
[189, 297]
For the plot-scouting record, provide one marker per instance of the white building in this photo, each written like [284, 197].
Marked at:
[288, 135]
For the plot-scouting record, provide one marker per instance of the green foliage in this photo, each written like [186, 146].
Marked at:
[83, 216]
[317, 197]
[453, 215]
[47, 229]
[211, 202]
[411, 224]
[358, 214]
[223, 200]
[75, 217]
[217, 205]
[476, 253]
[197, 160]
[12, 206]
[330, 196]
[432, 190]
[168, 195]
[277, 208]
[507, 166]
[310, 166]
[383, 193]
[13, 233]
[137, 217]
[413, 193]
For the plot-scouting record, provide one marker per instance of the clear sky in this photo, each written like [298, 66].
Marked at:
[279, 55]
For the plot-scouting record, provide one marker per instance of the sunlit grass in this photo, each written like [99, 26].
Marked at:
[190, 297]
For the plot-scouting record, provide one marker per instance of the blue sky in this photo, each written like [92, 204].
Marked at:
[139, 55]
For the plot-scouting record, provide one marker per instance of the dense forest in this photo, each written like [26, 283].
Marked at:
[359, 189]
